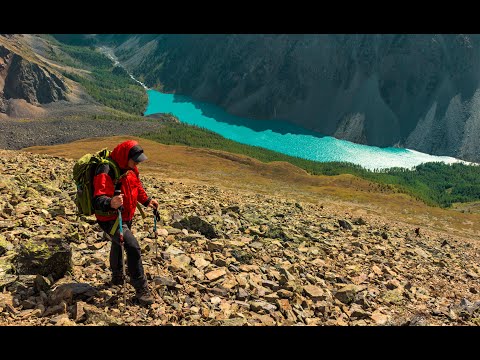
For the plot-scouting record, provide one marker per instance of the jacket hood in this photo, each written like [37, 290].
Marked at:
[120, 153]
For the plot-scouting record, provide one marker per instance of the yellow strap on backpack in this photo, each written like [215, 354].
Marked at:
[115, 224]
[141, 211]
[114, 227]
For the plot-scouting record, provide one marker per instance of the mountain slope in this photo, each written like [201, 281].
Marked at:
[42, 78]
[228, 255]
[51, 93]
[232, 171]
[25, 79]
[416, 91]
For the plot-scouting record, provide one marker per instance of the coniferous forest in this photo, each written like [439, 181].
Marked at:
[436, 184]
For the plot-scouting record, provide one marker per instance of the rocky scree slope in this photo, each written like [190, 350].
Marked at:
[223, 258]
[418, 91]
[21, 134]
[24, 79]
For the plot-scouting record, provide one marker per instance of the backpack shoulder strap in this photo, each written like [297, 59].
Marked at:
[113, 165]
[105, 159]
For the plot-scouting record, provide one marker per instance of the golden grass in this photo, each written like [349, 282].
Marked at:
[345, 193]
[471, 207]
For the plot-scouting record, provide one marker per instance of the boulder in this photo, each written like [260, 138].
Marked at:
[345, 224]
[90, 314]
[72, 292]
[347, 293]
[278, 233]
[5, 245]
[44, 258]
[7, 276]
[242, 256]
[196, 223]
[314, 292]
[215, 274]
[42, 283]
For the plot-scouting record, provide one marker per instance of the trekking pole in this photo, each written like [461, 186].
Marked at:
[155, 216]
[120, 235]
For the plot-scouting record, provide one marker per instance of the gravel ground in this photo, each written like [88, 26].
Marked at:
[18, 134]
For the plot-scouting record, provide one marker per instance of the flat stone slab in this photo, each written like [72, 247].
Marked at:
[215, 274]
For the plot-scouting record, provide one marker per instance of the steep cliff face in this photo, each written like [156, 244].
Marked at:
[26, 80]
[418, 91]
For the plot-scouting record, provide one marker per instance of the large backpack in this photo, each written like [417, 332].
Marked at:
[83, 174]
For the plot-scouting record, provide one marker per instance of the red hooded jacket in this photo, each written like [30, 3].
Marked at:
[131, 186]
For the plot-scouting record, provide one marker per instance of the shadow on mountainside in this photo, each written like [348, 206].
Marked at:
[279, 126]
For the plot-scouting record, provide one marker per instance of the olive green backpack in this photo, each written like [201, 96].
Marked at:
[83, 174]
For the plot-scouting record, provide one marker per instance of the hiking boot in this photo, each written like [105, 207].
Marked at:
[144, 296]
[117, 279]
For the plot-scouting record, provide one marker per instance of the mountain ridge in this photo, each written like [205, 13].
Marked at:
[404, 86]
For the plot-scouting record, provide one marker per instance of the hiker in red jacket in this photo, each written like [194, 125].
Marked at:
[127, 155]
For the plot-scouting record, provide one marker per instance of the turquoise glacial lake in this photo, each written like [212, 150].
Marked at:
[284, 137]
